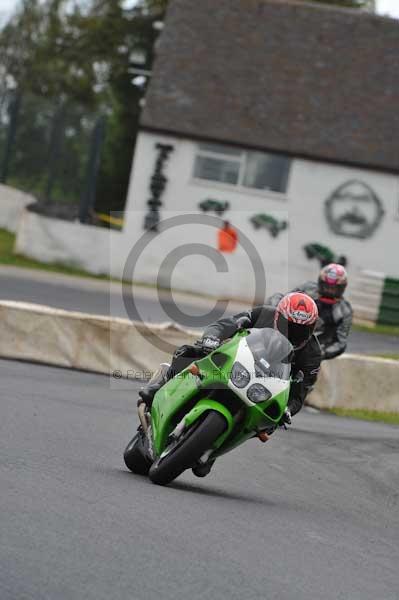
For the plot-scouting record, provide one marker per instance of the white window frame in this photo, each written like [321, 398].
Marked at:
[220, 156]
[242, 161]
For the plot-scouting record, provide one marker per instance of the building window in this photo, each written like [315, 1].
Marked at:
[257, 170]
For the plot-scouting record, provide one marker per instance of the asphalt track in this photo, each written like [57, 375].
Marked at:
[312, 514]
[95, 297]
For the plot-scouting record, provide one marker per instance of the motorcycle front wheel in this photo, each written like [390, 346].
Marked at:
[186, 451]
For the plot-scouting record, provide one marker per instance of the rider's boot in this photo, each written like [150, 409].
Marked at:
[202, 470]
[159, 378]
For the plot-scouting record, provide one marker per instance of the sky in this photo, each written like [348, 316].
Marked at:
[389, 7]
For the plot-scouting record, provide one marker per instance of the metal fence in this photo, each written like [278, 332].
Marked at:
[51, 150]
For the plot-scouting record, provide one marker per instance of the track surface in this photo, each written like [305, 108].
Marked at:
[312, 514]
[94, 297]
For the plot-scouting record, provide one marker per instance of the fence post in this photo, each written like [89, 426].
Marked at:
[93, 165]
[11, 133]
[54, 151]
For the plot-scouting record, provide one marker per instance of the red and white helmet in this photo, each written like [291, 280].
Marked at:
[332, 283]
[296, 316]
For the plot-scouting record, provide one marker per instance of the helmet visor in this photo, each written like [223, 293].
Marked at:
[329, 290]
[296, 333]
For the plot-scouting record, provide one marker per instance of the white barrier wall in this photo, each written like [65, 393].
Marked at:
[53, 240]
[358, 382]
[12, 203]
[109, 345]
[81, 341]
[366, 296]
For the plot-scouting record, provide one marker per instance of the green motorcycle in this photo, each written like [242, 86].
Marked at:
[238, 391]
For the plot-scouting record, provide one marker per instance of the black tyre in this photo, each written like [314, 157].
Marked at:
[188, 449]
[134, 458]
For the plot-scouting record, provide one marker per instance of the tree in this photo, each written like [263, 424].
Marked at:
[84, 61]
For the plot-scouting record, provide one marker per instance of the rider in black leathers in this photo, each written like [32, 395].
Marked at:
[306, 359]
[335, 313]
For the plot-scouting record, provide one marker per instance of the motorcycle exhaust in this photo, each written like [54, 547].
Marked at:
[142, 417]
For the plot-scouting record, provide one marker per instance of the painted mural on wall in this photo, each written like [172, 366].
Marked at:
[216, 206]
[271, 224]
[227, 238]
[324, 255]
[157, 187]
[354, 210]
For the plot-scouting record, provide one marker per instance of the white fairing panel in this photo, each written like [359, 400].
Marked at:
[273, 384]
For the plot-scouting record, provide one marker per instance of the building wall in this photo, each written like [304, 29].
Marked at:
[310, 185]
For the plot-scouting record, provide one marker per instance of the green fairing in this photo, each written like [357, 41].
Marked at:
[256, 419]
[204, 406]
[167, 402]
[187, 396]
[179, 391]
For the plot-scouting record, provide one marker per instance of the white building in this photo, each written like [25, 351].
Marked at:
[289, 113]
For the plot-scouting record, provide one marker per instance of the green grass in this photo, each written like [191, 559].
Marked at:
[383, 329]
[367, 415]
[390, 356]
[7, 257]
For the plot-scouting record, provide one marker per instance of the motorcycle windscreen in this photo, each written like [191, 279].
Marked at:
[272, 353]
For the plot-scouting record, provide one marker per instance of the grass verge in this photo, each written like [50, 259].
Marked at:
[382, 329]
[367, 415]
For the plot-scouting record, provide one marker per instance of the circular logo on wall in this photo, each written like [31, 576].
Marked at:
[354, 210]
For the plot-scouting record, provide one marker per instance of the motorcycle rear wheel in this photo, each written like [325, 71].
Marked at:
[188, 451]
[134, 459]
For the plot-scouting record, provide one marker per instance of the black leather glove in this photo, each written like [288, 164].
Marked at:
[243, 322]
[210, 343]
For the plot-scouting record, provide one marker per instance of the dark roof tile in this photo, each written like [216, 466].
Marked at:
[304, 79]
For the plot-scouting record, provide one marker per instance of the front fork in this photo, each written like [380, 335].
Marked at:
[144, 419]
[203, 406]
[145, 425]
